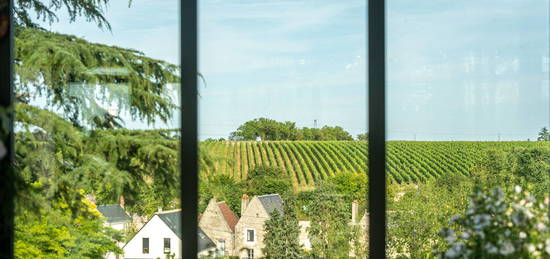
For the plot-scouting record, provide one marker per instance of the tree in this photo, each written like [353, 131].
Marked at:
[282, 233]
[335, 133]
[363, 137]
[75, 146]
[268, 129]
[266, 180]
[352, 186]
[330, 231]
[223, 188]
[544, 135]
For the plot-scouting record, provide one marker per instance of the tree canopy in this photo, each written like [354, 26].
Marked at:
[544, 135]
[268, 129]
[74, 144]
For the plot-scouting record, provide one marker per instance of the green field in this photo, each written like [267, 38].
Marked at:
[310, 161]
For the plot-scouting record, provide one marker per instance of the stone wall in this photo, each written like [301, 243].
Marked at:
[254, 218]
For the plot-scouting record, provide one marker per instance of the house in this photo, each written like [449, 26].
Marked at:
[249, 231]
[161, 235]
[115, 216]
[218, 222]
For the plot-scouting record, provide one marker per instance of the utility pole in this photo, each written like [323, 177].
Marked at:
[315, 123]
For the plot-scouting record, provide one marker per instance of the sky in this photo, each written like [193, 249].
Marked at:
[456, 70]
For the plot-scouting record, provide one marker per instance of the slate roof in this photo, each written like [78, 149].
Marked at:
[113, 213]
[173, 220]
[228, 215]
[271, 202]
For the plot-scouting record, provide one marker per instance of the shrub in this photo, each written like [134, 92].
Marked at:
[496, 225]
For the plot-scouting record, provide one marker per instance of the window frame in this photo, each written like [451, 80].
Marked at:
[7, 186]
[246, 236]
[145, 250]
[250, 251]
[189, 131]
[169, 247]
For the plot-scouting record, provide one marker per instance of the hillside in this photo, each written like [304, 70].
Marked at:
[311, 161]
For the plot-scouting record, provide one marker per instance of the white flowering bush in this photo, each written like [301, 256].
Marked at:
[496, 225]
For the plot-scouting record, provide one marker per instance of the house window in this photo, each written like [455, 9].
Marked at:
[250, 235]
[145, 245]
[167, 245]
[221, 247]
[250, 253]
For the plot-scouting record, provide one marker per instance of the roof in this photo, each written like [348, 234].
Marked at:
[271, 202]
[172, 219]
[228, 215]
[113, 213]
[204, 241]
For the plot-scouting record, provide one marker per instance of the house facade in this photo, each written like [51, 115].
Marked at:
[218, 222]
[249, 231]
[160, 236]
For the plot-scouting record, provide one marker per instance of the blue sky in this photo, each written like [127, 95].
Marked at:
[457, 70]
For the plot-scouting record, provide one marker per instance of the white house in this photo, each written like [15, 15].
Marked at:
[115, 216]
[160, 236]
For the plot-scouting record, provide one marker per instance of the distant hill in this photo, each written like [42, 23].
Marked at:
[311, 161]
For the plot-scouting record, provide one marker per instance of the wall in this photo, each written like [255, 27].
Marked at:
[156, 231]
[214, 225]
[253, 218]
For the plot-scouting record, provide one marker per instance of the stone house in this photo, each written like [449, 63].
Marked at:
[249, 231]
[218, 222]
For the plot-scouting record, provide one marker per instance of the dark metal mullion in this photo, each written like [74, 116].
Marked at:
[377, 129]
[7, 184]
[189, 129]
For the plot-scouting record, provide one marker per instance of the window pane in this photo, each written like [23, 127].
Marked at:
[282, 127]
[468, 98]
[97, 128]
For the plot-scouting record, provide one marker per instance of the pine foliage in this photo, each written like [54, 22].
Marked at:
[282, 235]
[78, 76]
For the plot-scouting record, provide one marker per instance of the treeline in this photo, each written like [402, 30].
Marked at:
[268, 129]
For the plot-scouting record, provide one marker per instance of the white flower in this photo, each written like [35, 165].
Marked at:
[540, 227]
[531, 248]
[522, 235]
[481, 221]
[507, 248]
[517, 189]
[491, 249]
[465, 235]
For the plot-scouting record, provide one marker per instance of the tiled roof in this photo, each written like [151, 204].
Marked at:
[272, 202]
[228, 215]
[113, 213]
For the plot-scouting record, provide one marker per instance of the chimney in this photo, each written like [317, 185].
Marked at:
[244, 203]
[159, 209]
[354, 211]
[121, 201]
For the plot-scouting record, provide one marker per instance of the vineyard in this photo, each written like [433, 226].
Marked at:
[311, 161]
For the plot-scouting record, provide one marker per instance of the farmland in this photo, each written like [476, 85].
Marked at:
[311, 161]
